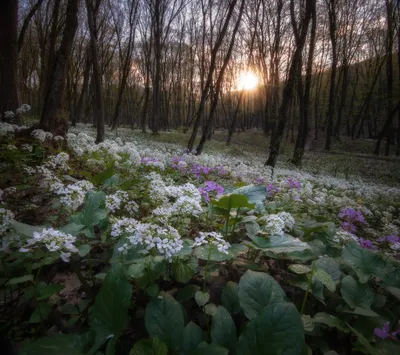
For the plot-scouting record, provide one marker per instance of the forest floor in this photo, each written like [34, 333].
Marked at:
[134, 247]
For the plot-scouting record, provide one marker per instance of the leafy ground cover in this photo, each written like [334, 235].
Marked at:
[134, 246]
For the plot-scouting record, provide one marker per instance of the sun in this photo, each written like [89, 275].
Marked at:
[247, 81]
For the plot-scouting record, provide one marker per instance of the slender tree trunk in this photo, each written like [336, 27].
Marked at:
[343, 96]
[26, 22]
[8, 56]
[331, 107]
[85, 86]
[291, 82]
[207, 85]
[305, 104]
[53, 116]
[98, 99]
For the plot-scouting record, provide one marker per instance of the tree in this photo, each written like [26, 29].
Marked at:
[53, 117]
[8, 56]
[301, 29]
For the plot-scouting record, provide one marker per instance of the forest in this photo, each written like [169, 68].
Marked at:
[200, 177]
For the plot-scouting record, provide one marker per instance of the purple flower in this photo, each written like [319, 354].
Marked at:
[384, 332]
[365, 243]
[392, 239]
[351, 215]
[259, 181]
[272, 189]
[347, 226]
[293, 184]
[213, 186]
[204, 193]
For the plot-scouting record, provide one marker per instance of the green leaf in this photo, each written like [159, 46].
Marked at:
[232, 201]
[183, 269]
[94, 214]
[280, 244]
[255, 194]
[41, 312]
[186, 293]
[19, 280]
[230, 297]
[308, 324]
[100, 178]
[48, 290]
[192, 336]
[299, 268]
[109, 313]
[277, 330]
[223, 330]
[331, 266]
[395, 291]
[152, 346]
[256, 291]
[330, 321]
[60, 344]
[201, 298]
[365, 342]
[356, 294]
[24, 230]
[364, 262]
[325, 278]
[210, 309]
[136, 270]
[202, 252]
[209, 349]
[84, 250]
[252, 228]
[164, 320]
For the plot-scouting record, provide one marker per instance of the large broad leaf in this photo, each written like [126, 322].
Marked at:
[330, 321]
[60, 344]
[209, 349]
[279, 244]
[183, 269]
[256, 291]
[186, 293]
[223, 330]
[24, 230]
[151, 346]
[317, 287]
[94, 214]
[356, 294]
[164, 320]
[109, 313]
[277, 330]
[255, 194]
[192, 336]
[325, 278]
[19, 280]
[230, 297]
[331, 266]
[100, 178]
[364, 262]
[228, 202]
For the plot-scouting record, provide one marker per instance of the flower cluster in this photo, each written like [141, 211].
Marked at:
[123, 226]
[212, 238]
[343, 236]
[24, 108]
[210, 187]
[73, 195]
[54, 240]
[350, 219]
[59, 161]
[115, 201]
[385, 333]
[164, 240]
[6, 216]
[278, 224]
[152, 162]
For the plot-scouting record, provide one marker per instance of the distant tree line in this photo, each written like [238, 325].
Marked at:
[327, 68]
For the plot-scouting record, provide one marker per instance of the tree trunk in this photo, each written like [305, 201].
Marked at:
[98, 99]
[53, 117]
[305, 104]
[331, 106]
[85, 86]
[8, 56]
[291, 82]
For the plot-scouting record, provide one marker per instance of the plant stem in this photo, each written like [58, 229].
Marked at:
[37, 291]
[205, 270]
[308, 289]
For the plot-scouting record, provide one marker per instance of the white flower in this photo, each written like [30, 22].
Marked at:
[123, 226]
[27, 147]
[73, 195]
[9, 114]
[116, 200]
[54, 241]
[24, 108]
[39, 134]
[6, 216]
[277, 224]
[344, 236]
[11, 147]
[214, 239]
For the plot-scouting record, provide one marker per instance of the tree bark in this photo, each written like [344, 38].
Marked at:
[53, 116]
[8, 56]
[98, 99]
[290, 84]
